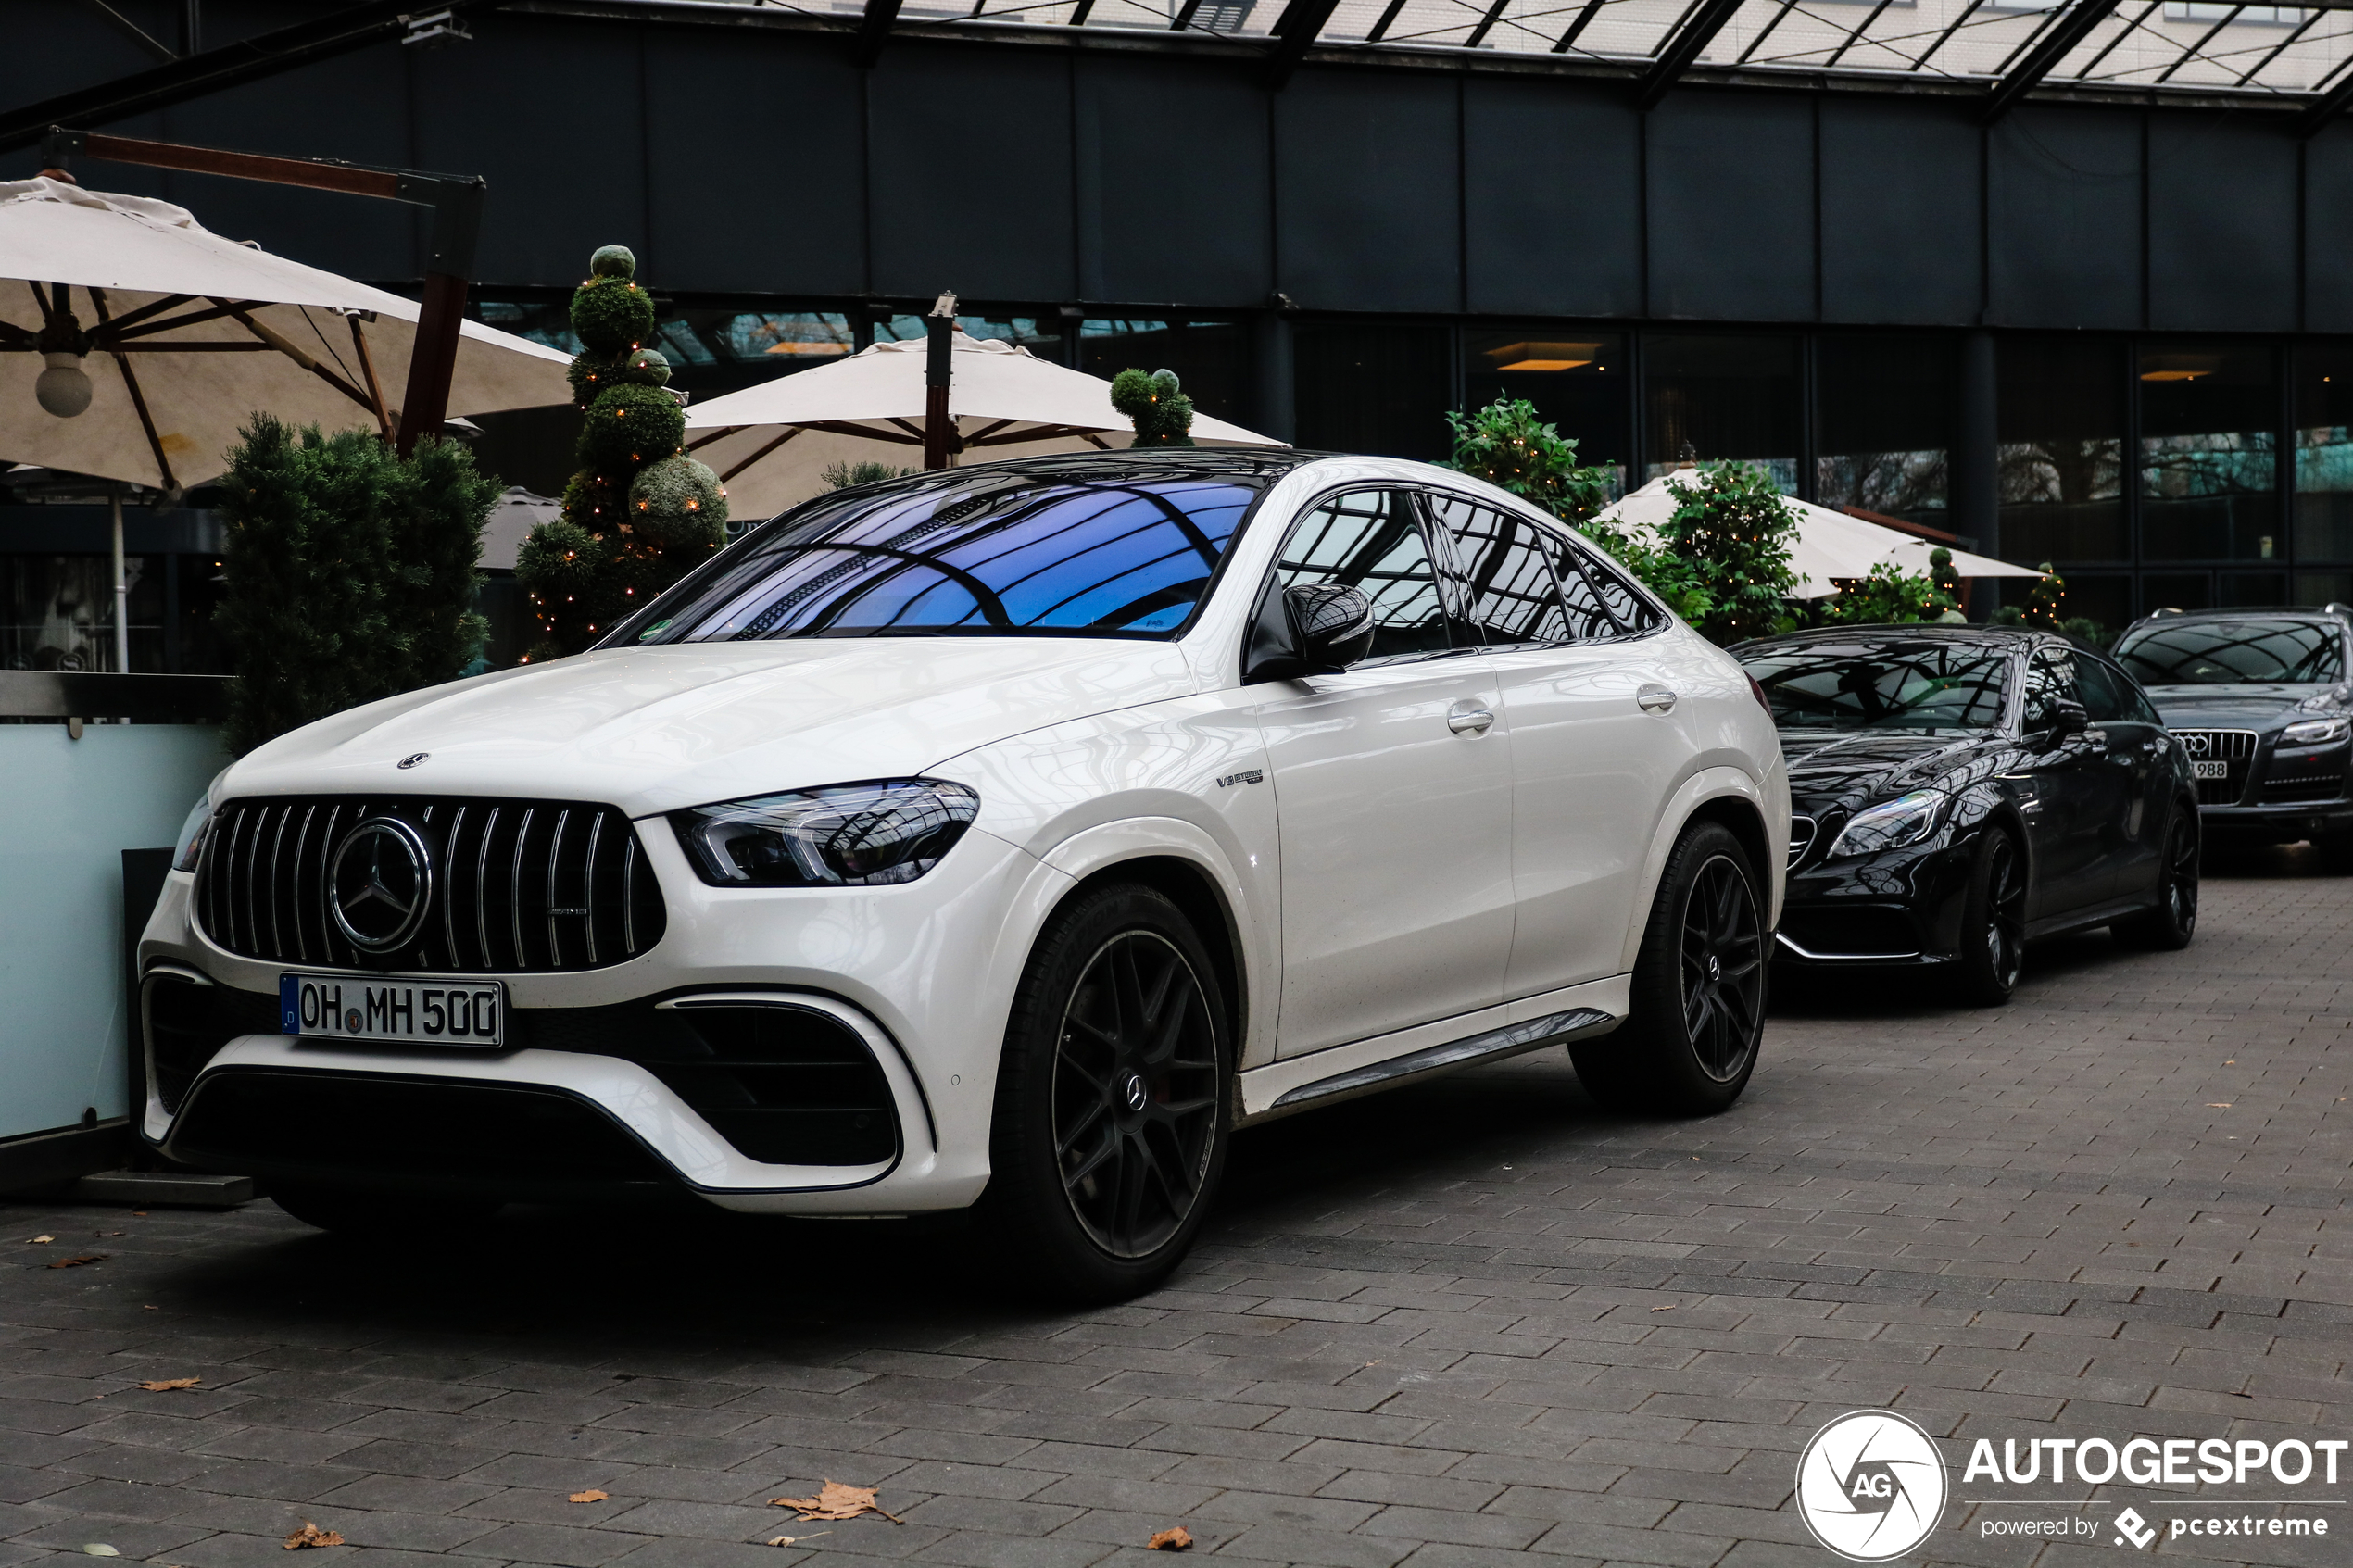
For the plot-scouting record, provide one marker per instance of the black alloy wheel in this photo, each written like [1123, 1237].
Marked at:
[1993, 944]
[1109, 1132]
[2170, 925]
[1698, 991]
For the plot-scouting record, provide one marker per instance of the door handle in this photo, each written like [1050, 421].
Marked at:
[1654, 700]
[1468, 719]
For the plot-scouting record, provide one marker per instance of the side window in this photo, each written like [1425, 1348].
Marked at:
[1626, 606]
[2106, 698]
[1367, 539]
[1580, 582]
[2050, 675]
[1512, 594]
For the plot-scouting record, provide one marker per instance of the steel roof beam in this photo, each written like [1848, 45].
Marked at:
[1295, 32]
[1584, 20]
[874, 31]
[1700, 26]
[2045, 57]
[2328, 106]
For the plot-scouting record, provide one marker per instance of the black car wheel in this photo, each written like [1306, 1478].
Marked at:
[1993, 946]
[2173, 920]
[1698, 989]
[1111, 1109]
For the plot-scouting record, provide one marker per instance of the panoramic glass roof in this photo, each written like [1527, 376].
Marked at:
[2201, 46]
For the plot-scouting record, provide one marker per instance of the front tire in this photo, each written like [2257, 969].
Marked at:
[1993, 947]
[2169, 925]
[1698, 989]
[1111, 1120]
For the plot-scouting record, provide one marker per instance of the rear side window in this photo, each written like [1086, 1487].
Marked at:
[2108, 698]
[1368, 540]
[1625, 604]
[2050, 676]
[1513, 597]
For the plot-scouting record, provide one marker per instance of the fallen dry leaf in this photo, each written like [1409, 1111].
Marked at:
[838, 1501]
[37, 1240]
[1175, 1539]
[591, 1496]
[2217, 1105]
[788, 1540]
[1668, 1309]
[168, 1383]
[99, 1549]
[310, 1535]
[77, 1262]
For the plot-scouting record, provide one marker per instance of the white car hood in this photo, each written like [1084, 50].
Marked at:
[653, 729]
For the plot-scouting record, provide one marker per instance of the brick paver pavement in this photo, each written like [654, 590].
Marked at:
[1473, 1325]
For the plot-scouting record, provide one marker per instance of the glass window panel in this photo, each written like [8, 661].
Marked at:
[2060, 422]
[2105, 695]
[1042, 335]
[2105, 601]
[1377, 389]
[1368, 541]
[1885, 423]
[2324, 453]
[1633, 613]
[1211, 358]
[1721, 398]
[1589, 616]
[2250, 588]
[1576, 381]
[2177, 590]
[58, 613]
[2233, 652]
[2050, 676]
[710, 351]
[2209, 453]
[1510, 580]
[2324, 587]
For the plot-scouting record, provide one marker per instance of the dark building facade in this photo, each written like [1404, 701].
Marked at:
[2108, 324]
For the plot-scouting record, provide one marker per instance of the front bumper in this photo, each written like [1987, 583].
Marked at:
[2277, 824]
[1901, 907]
[919, 976]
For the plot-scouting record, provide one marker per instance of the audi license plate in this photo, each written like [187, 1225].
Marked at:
[430, 1012]
[2210, 770]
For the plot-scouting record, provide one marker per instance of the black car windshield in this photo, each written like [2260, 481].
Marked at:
[1865, 685]
[1122, 549]
[2216, 653]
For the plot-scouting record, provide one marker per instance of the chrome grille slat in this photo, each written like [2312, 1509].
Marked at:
[2235, 749]
[555, 864]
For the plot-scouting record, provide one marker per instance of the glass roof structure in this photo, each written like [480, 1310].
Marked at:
[2200, 47]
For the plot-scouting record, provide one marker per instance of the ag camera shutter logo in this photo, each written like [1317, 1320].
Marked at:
[1872, 1486]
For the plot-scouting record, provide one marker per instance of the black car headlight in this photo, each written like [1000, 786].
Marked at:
[867, 835]
[1906, 820]
[2316, 732]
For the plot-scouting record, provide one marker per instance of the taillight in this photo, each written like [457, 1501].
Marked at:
[1758, 693]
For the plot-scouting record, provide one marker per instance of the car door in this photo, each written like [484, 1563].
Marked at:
[2077, 793]
[1393, 790]
[1590, 764]
[2135, 751]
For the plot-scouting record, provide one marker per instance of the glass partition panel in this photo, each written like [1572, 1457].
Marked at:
[2324, 587]
[1885, 423]
[1714, 398]
[1211, 358]
[2209, 453]
[2252, 588]
[2177, 590]
[1042, 335]
[2324, 453]
[2103, 599]
[1377, 389]
[56, 612]
[2059, 417]
[1576, 381]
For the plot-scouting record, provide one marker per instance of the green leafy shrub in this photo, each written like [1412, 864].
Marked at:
[841, 476]
[1729, 538]
[348, 573]
[1156, 405]
[1514, 448]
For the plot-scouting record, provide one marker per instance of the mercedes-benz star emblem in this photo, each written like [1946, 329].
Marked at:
[414, 757]
[1134, 1092]
[379, 884]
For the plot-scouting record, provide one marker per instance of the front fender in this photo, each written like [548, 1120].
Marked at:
[1703, 786]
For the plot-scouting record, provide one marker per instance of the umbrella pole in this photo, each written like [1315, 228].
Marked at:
[121, 589]
[939, 367]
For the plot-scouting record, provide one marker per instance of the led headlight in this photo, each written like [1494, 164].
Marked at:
[191, 832]
[866, 835]
[2316, 732]
[1908, 819]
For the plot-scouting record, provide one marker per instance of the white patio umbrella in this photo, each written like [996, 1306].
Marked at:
[769, 444]
[190, 333]
[1829, 544]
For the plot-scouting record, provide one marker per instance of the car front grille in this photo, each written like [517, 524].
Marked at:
[518, 886]
[2234, 747]
[2302, 789]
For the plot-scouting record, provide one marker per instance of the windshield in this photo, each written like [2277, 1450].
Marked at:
[1118, 549]
[2214, 653]
[1879, 686]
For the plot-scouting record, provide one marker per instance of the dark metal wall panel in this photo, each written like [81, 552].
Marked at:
[1900, 212]
[1172, 188]
[1552, 199]
[2221, 231]
[2328, 230]
[1731, 206]
[1367, 191]
[543, 110]
[759, 165]
[2064, 199]
[969, 172]
[57, 46]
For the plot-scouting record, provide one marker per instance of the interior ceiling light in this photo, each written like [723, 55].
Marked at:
[1544, 356]
[2179, 367]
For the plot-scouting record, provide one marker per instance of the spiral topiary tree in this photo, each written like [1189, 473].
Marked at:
[1156, 405]
[640, 513]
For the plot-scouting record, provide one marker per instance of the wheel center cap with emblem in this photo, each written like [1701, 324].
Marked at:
[1715, 968]
[379, 884]
[1133, 1091]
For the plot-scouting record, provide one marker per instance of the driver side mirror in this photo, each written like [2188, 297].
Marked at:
[1319, 629]
[2069, 717]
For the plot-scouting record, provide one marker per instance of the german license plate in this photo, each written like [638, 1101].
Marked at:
[430, 1012]
[2210, 770]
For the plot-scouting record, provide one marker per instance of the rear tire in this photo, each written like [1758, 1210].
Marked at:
[1113, 1099]
[358, 1213]
[1993, 944]
[1698, 990]
[2169, 925]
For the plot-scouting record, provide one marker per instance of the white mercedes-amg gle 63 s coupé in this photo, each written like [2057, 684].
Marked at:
[1004, 835]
